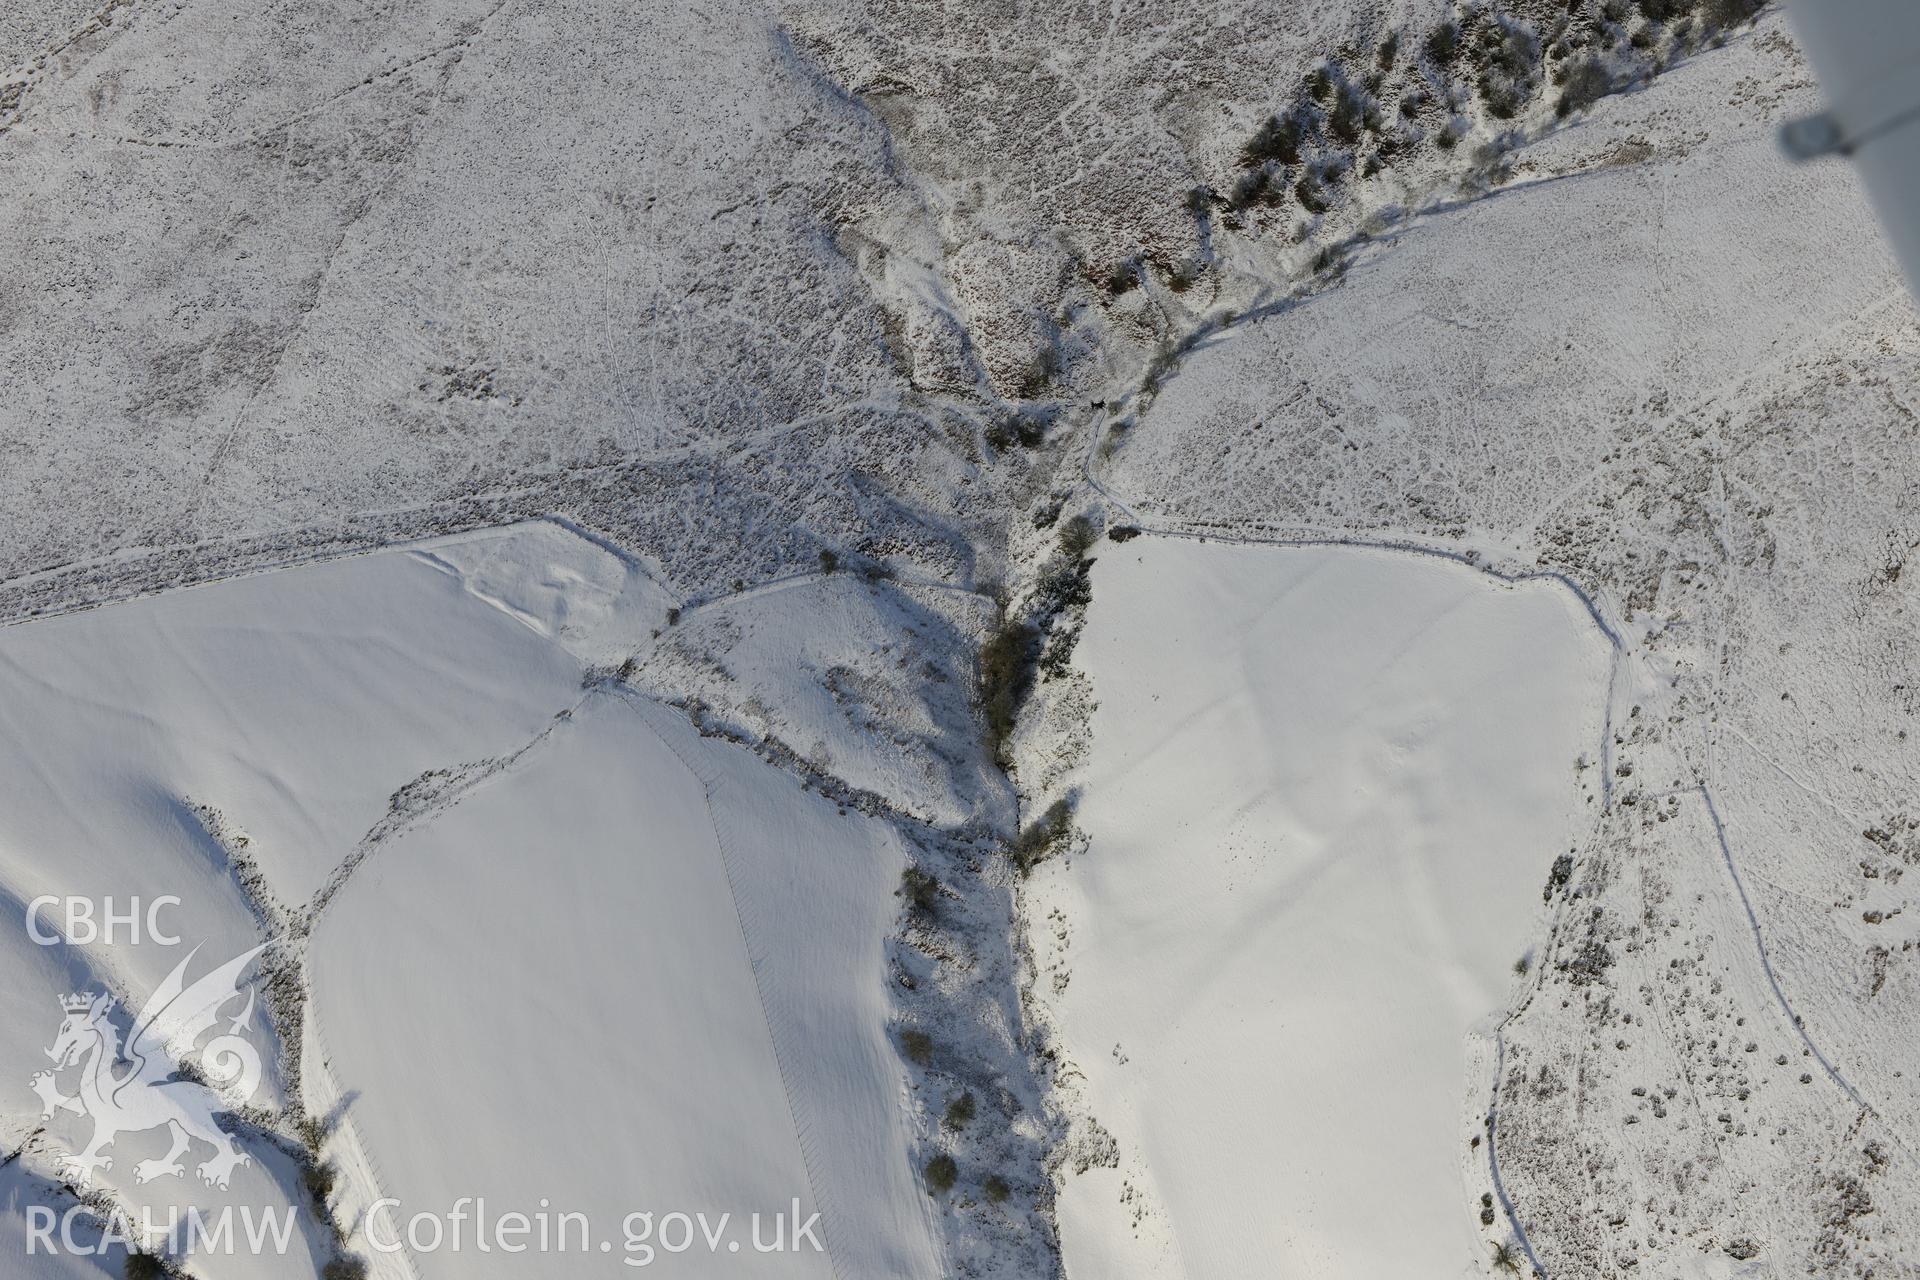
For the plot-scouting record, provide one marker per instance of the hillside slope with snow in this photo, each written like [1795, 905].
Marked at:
[656, 471]
[531, 935]
[1668, 365]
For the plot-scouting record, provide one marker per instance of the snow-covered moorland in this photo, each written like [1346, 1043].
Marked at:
[670, 566]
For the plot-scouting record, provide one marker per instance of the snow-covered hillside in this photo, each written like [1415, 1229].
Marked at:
[1665, 363]
[284, 283]
[532, 937]
[649, 556]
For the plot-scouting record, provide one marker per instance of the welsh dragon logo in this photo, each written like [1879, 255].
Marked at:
[141, 1088]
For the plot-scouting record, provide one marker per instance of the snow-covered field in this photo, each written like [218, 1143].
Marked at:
[580, 988]
[1327, 786]
[564, 952]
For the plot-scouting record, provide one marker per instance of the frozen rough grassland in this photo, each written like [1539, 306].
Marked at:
[318, 279]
